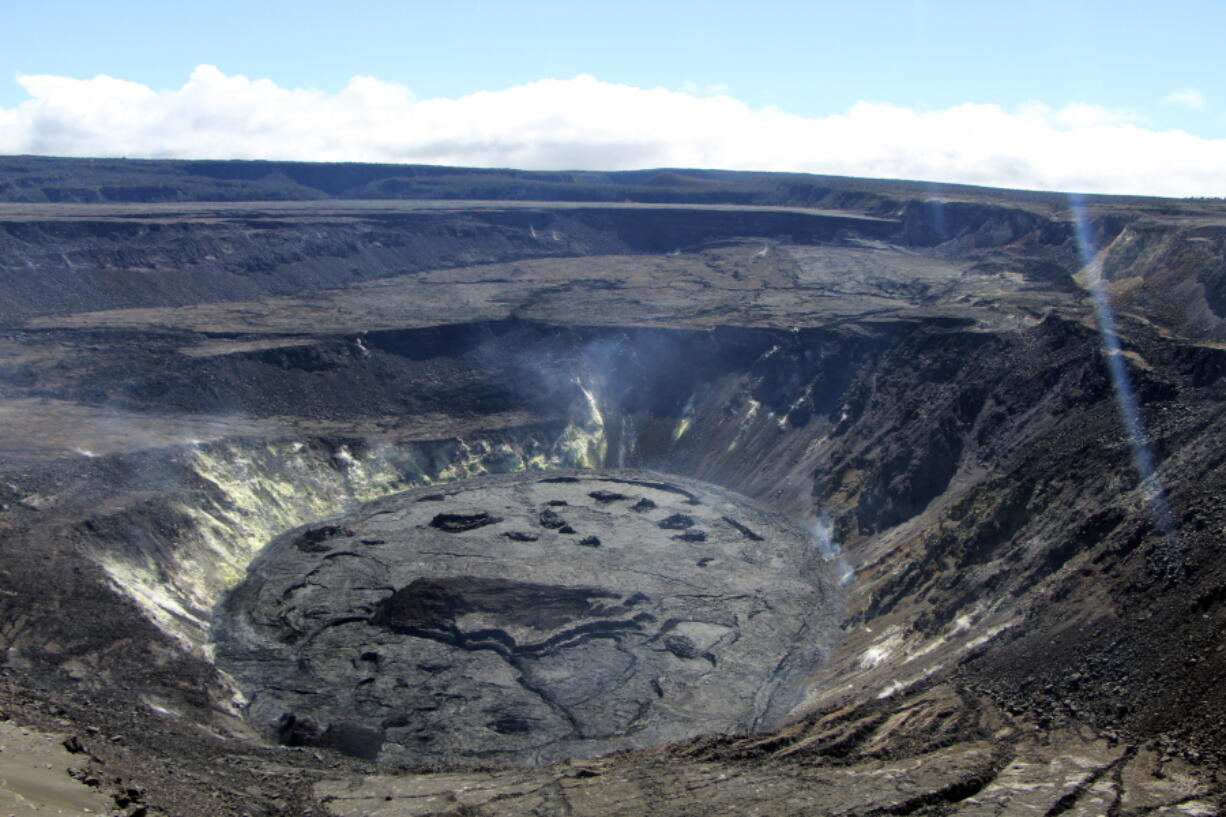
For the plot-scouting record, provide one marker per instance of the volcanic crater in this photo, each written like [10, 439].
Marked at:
[783, 495]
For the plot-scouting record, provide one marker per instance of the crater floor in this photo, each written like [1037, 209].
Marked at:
[525, 618]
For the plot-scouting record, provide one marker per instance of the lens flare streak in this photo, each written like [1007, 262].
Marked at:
[1125, 396]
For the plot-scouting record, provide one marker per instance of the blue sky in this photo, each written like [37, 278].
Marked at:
[1154, 67]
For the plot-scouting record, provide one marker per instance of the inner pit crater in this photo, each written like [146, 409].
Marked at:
[526, 618]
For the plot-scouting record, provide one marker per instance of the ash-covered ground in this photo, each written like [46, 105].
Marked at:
[992, 422]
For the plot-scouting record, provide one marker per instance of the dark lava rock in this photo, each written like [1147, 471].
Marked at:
[511, 726]
[520, 536]
[746, 532]
[567, 529]
[432, 608]
[643, 505]
[681, 646]
[677, 521]
[657, 485]
[692, 536]
[549, 519]
[460, 521]
[432, 655]
[606, 496]
[354, 739]
[316, 539]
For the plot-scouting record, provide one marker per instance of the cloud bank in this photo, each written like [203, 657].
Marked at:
[583, 123]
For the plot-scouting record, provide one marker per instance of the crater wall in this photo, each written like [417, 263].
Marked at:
[923, 392]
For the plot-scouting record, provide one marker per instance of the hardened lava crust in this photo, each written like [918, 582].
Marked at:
[527, 618]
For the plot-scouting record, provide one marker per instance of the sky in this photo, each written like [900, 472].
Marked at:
[1115, 97]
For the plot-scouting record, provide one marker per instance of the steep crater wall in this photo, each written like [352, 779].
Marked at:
[55, 265]
[959, 479]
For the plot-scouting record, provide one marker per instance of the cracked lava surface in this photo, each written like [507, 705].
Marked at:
[528, 618]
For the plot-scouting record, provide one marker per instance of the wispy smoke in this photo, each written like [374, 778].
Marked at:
[823, 536]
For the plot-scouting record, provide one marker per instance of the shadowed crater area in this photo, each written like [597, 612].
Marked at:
[522, 619]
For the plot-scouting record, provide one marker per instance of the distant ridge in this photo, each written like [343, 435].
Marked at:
[36, 179]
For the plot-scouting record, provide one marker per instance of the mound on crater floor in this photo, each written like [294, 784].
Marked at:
[527, 618]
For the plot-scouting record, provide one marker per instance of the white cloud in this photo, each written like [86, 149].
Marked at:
[694, 89]
[583, 123]
[1188, 98]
